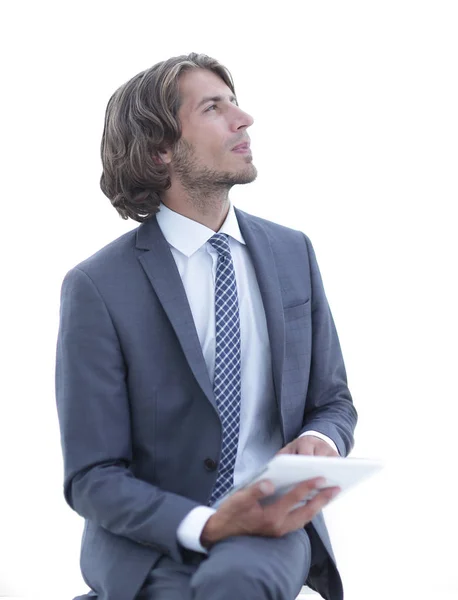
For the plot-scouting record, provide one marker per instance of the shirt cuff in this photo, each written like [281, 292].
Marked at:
[322, 437]
[191, 527]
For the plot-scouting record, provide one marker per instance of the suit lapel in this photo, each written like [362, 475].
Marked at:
[266, 272]
[161, 269]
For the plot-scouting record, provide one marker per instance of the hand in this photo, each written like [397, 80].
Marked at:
[242, 514]
[308, 445]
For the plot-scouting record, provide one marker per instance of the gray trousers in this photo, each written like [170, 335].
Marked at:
[242, 568]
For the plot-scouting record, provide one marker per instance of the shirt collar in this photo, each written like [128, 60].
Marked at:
[187, 235]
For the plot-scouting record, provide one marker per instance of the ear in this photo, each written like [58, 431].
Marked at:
[163, 157]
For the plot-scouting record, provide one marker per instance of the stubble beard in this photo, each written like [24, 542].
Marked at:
[202, 184]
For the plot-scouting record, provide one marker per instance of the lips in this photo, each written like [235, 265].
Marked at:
[243, 146]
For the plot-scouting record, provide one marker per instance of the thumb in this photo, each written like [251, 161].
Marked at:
[289, 448]
[260, 490]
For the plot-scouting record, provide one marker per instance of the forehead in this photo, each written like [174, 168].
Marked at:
[196, 84]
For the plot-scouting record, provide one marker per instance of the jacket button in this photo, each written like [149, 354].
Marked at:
[210, 464]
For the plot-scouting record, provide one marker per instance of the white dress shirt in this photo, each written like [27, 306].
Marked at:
[260, 435]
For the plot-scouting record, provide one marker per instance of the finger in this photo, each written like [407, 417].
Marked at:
[297, 494]
[255, 492]
[304, 514]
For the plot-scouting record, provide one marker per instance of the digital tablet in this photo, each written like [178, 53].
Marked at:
[287, 470]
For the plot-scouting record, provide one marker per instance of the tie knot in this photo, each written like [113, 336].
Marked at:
[220, 242]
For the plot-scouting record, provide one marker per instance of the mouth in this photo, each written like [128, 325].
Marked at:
[242, 148]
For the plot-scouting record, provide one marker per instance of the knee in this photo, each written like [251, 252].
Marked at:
[230, 581]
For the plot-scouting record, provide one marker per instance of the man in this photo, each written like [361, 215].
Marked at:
[191, 350]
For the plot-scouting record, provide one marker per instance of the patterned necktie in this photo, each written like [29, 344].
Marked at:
[226, 383]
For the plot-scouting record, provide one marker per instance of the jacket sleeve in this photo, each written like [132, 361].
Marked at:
[93, 410]
[329, 407]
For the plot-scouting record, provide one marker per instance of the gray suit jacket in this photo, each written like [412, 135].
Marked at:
[136, 407]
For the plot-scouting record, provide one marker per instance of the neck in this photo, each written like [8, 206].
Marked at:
[208, 207]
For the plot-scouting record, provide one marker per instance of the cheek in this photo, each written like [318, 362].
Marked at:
[212, 152]
[212, 142]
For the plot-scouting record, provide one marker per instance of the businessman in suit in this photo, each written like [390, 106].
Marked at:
[190, 351]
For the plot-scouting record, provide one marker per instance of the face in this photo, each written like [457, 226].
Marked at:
[214, 149]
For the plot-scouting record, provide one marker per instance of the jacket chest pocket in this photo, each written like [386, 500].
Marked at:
[294, 313]
[298, 334]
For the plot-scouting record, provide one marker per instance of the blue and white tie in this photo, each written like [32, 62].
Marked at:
[226, 384]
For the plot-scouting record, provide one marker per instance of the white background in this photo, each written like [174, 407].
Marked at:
[355, 140]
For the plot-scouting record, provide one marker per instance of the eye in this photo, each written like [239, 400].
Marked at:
[213, 106]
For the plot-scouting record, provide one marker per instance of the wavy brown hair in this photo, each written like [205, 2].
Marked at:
[141, 119]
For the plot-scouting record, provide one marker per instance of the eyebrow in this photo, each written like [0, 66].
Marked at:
[215, 99]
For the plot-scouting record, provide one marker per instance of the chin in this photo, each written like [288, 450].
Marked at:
[248, 169]
[239, 176]
[246, 175]
[252, 171]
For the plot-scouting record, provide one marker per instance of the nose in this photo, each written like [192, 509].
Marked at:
[242, 120]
